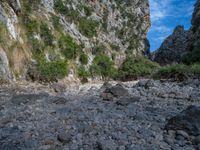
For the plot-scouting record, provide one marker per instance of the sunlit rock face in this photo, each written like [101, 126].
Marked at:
[120, 26]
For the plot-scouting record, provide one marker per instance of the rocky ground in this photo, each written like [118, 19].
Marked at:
[144, 115]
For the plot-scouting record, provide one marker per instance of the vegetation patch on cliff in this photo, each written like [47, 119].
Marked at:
[133, 68]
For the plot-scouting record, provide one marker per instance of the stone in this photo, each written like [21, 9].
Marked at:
[182, 133]
[106, 85]
[27, 98]
[107, 145]
[58, 87]
[187, 120]
[196, 141]
[64, 138]
[117, 91]
[194, 97]
[124, 101]
[60, 100]
[107, 96]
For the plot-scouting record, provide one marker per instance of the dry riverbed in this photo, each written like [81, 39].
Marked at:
[141, 115]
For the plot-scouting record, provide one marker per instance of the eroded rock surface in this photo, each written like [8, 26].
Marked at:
[38, 117]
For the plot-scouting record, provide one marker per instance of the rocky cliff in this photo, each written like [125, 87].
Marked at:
[174, 47]
[50, 30]
[196, 26]
[180, 42]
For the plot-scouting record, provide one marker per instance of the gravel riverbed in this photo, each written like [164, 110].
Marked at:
[109, 116]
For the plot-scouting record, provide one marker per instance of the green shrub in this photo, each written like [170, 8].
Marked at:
[3, 32]
[83, 73]
[103, 66]
[196, 69]
[177, 72]
[88, 10]
[98, 49]
[87, 27]
[192, 57]
[83, 59]
[52, 70]
[46, 34]
[69, 47]
[56, 22]
[31, 26]
[133, 68]
[60, 7]
[37, 46]
[73, 15]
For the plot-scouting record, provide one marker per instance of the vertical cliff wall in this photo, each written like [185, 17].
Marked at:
[30, 29]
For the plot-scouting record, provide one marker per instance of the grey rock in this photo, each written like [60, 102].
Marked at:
[187, 120]
[58, 87]
[64, 137]
[124, 101]
[5, 73]
[60, 100]
[27, 98]
[107, 145]
[117, 91]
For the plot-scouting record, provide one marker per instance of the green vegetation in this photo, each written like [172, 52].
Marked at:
[73, 15]
[60, 7]
[87, 27]
[178, 72]
[87, 10]
[56, 22]
[115, 47]
[31, 25]
[103, 66]
[83, 59]
[196, 69]
[98, 49]
[133, 68]
[50, 71]
[69, 47]
[46, 34]
[192, 57]
[3, 33]
[83, 73]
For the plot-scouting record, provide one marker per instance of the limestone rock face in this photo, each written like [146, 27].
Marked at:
[4, 66]
[120, 27]
[175, 46]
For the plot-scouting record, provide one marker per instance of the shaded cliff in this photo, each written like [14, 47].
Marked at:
[174, 47]
[181, 42]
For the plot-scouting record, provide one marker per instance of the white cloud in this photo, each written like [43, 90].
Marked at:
[166, 15]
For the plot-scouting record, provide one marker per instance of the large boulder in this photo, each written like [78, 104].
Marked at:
[188, 121]
[114, 92]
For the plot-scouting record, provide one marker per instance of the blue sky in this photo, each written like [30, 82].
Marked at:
[165, 16]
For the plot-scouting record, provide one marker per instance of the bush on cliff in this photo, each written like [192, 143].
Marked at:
[133, 68]
[51, 71]
[68, 47]
[192, 57]
[103, 66]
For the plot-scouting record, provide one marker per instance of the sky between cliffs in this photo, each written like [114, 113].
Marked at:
[165, 16]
